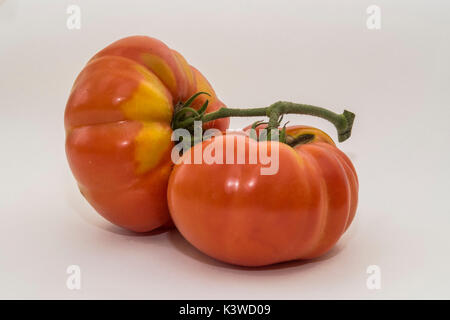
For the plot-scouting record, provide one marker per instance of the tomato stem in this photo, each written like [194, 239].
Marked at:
[343, 122]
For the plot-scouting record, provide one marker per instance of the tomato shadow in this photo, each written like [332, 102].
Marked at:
[94, 219]
[123, 232]
[187, 249]
[85, 212]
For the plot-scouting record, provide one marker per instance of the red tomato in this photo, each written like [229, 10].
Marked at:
[233, 213]
[118, 128]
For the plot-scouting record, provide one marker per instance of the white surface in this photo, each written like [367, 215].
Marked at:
[254, 52]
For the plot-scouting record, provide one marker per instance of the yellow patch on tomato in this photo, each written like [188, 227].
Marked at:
[203, 85]
[152, 144]
[150, 102]
[186, 68]
[161, 69]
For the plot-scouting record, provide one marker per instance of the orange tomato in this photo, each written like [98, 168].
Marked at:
[235, 214]
[118, 128]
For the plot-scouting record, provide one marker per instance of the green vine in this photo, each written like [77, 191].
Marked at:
[185, 116]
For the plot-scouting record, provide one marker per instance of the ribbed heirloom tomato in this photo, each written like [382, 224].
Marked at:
[237, 215]
[118, 128]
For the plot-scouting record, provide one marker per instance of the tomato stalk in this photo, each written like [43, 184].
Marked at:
[343, 122]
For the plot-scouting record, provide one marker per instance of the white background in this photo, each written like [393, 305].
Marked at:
[395, 79]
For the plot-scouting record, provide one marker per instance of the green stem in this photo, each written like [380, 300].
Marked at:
[343, 122]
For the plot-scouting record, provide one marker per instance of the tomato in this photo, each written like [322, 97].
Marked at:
[235, 214]
[118, 128]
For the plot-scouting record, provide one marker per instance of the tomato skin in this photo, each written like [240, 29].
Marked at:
[234, 214]
[118, 128]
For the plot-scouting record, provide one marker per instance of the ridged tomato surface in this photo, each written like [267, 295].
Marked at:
[118, 128]
[236, 214]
